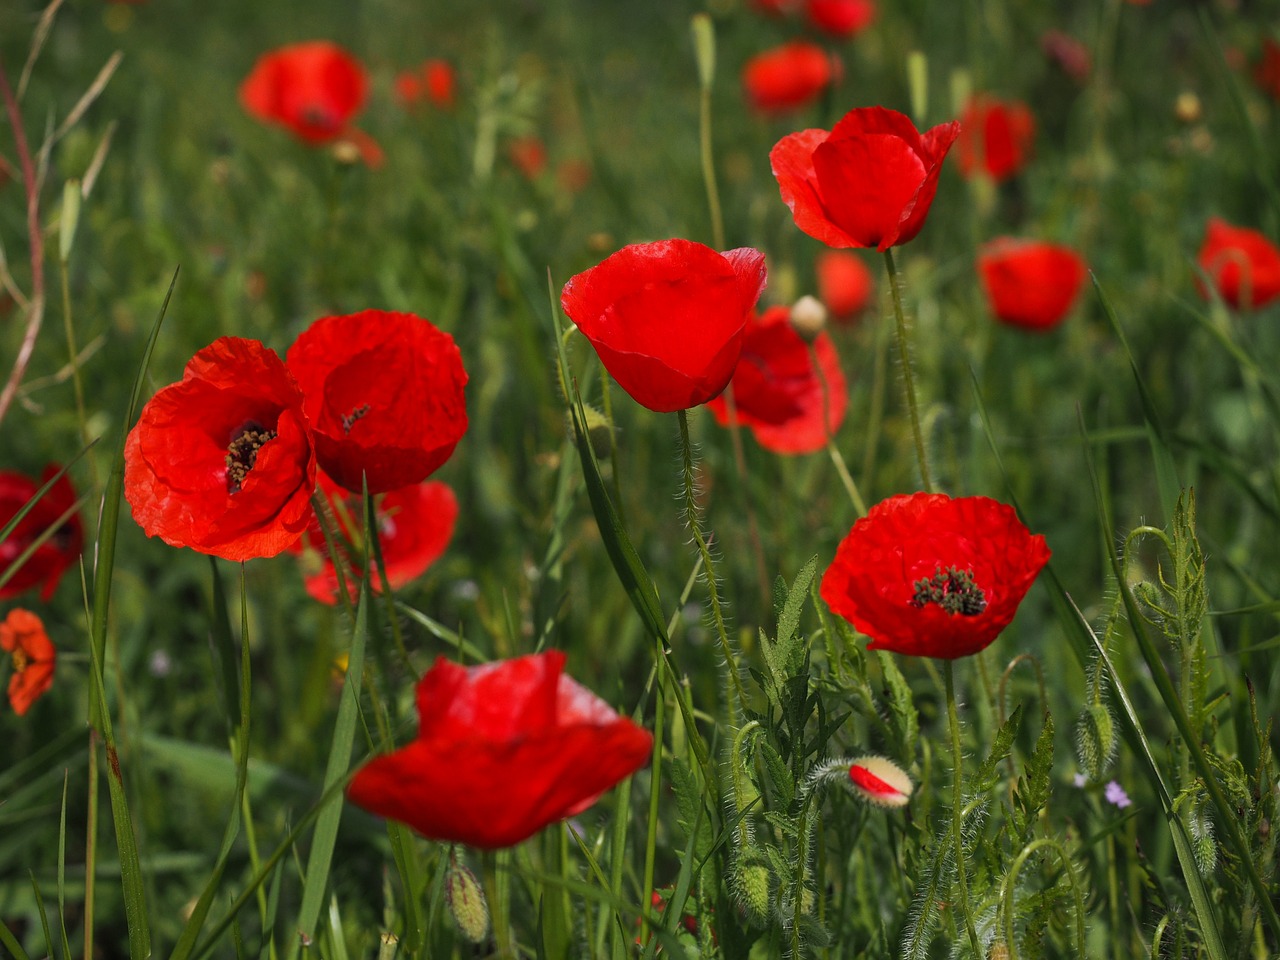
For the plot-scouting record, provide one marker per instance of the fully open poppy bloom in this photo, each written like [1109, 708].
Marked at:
[667, 318]
[22, 636]
[840, 18]
[223, 461]
[845, 284]
[434, 81]
[1029, 284]
[868, 182]
[996, 138]
[1243, 265]
[313, 89]
[384, 393]
[415, 524]
[931, 576]
[60, 550]
[777, 394]
[503, 750]
[787, 77]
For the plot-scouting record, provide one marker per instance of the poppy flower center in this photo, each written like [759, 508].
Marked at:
[953, 590]
[316, 115]
[242, 453]
[20, 660]
[350, 419]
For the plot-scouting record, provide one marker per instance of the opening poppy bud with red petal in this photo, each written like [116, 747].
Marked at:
[788, 77]
[996, 137]
[880, 781]
[931, 576]
[32, 655]
[384, 393]
[503, 750]
[667, 318]
[312, 89]
[60, 550]
[1030, 284]
[1241, 263]
[868, 182]
[222, 461]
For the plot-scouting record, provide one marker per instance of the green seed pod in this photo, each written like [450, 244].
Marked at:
[466, 902]
[1095, 739]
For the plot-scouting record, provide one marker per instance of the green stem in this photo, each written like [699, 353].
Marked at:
[707, 71]
[655, 794]
[842, 470]
[908, 380]
[957, 806]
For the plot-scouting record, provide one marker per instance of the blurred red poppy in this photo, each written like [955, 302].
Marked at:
[1267, 72]
[775, 8]
[996, 137]
[868, 182]
[384, 392]
[223, 461]
[845, 285]
[931, 576]
[1029, 284]
[503, 750]
[58, 552]
[313, 89]
[1242, 264]
[433, 81]
[415, 524]
[1070, 55]
[787, 77]
[22, 636]
[778, 394]
[667, 318]
[528, 155]
[840, 18]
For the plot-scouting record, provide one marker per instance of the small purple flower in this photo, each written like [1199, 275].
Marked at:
[1115, 794]
[1079, 780]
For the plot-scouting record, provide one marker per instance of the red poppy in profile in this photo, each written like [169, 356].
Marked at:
[415, 524]
[1029, 284]
[1267, 72]
[787, 77]
[313, 89]
[667, 318]
[996, 137]
[60, 549]
[434, 81]
[845, 285]
[868, 182]
[841, 18]
[931, 576]
[384, 393]
[778, 394]
[503, 750]
[1243, 265]
[223, 461]
[22, 636]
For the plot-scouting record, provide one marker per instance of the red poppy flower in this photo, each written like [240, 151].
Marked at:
[1070, 55]
[1243, 265]
[775, 8]
[777, 393]
[528, 155]
[996, 137]
[22, 636]
[1029, 284]
[930, 576]
[312, 88]
[787, 77]
[667, 318]
[845, 284]
[434, 81]
[1267, 72]
[841, 18]
[503, 750]
[384, 393]
[223, 461]
[868, 182]
[59, 551]
[415, 524]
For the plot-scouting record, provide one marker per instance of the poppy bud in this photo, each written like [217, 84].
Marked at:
[753, 886]
[1187, 107]
[466, 902]
[918, 83]
[1095, 739]
[808, 317]
[704, 48]
[880, 781]
[999, 950]
[70, 218]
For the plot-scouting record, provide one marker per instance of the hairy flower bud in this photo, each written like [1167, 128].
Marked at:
[1095, 739]
[466, 902]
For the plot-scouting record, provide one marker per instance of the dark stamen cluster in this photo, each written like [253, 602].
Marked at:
[242, 453]
[350, 419]
[953, 590]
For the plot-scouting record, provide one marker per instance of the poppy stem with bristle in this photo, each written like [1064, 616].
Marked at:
[904, 358]
[957, 805]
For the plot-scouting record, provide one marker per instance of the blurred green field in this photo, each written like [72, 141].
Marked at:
[269, 234]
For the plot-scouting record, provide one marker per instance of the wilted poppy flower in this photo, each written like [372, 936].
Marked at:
[1030, 284]
[434, 81]
[222, 461]
[415, 524]
[869, 182]
[845, 284]
[60, 550]
[777, 394]
[787, 77]
[931, 576]
[1267, 72]
[840, 18]
[383, 392]
[1242, 264]
[313, 89]
[503, 750]
[996, 137]
[22, 636]
[1070, 55]
[667, 318]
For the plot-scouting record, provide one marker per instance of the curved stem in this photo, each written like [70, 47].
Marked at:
[842, 470]
[908, 381]
[957, 804]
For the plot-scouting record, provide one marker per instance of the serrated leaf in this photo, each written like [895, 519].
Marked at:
[1034, 787]
[904, 719]
[987, 775]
